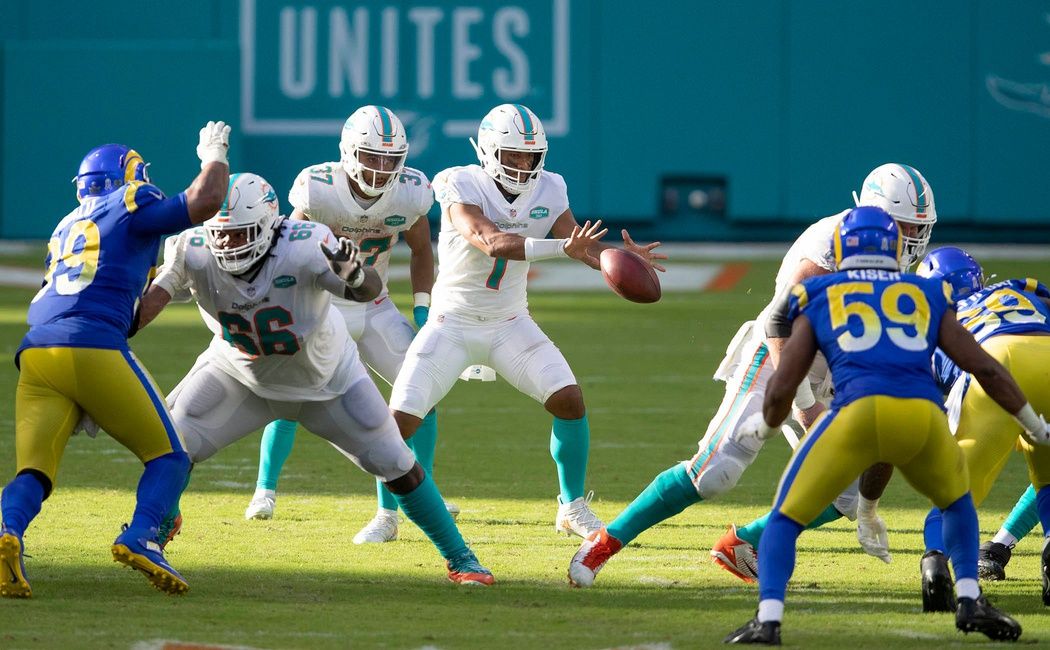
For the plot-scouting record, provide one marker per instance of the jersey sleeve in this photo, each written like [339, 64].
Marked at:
[561, 192]
[944, 371]
[152, 213]
[1031, 285]
[299, 195]
[424, 197]
[455, 186]
[172, 276]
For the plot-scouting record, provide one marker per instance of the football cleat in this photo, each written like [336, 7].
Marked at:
[139, 550]
[1045, 570]
[465, 569]
[169, 528]
[757, 633]
[262, 505]
[938, 590]
[592, 556]
[453, 510]
[12, 566]
[979, 616]
[992, 559]
[382, 528]
[576, 517]
[736, 556]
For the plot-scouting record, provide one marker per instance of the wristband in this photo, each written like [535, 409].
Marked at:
[360, 278]
[544, 249]
[421, 299]
[1028, 419]
[866, 507]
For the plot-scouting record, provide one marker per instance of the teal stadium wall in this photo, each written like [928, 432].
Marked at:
[792, 102]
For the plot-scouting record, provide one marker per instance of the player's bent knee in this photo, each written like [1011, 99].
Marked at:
[45, 481]
[567, 403]
[410, 481]
[719, 477]
[364, 404]
[176, 461]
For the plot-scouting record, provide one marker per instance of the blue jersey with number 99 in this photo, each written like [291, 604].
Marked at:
[878, 330]
[98, 263]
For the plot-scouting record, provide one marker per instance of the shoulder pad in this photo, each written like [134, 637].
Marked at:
[138, 194]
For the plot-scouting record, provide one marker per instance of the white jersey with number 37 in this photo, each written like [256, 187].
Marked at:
[469, 281]
[323, 194]
[277, 332]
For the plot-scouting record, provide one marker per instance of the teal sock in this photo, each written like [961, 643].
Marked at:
[277, 441]
[422, 444]
[570, 444]
[1024, 516]
[752, 532]
[425, 507]
[670, 493]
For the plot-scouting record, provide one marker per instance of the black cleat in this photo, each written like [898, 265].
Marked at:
[979, 616]
[938, 590]
[992, 559]
[753, 632]
[1046, 572]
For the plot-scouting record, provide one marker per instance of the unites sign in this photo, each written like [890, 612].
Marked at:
[439, 65]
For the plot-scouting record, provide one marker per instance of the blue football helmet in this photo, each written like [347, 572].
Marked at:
[867, 238]
[108, 167]
[956, 267]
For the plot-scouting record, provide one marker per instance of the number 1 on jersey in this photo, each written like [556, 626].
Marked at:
[499, 269]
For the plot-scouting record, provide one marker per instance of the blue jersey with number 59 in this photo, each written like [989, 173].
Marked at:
[98, 263]
[878, 330]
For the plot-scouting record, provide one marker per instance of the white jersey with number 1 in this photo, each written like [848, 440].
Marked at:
[277, 332]
[470, 282]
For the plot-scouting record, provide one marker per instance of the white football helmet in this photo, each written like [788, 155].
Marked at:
[375, 134]
[241, 232]
[901, 191]
[511, 127]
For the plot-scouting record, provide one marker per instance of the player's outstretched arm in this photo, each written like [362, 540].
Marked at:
[206, 193]
[476, 228]
[963, 349]
[362, 283]
[151, 304]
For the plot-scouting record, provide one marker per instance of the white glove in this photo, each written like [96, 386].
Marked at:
[214, 143]
[86, 426]
[755, 426]
[871, 530]
[1035, 427]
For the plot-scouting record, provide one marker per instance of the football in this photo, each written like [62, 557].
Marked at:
[629, 275]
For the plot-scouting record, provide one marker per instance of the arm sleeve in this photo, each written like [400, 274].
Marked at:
[452, 187]
[151, 213]
[172, 276]
[786, 307]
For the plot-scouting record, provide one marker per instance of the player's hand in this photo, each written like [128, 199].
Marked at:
[871, 531]
[645, 252]
[420, 314]
[756, 427]
[343, 261]
[214, 143]
[582, 239]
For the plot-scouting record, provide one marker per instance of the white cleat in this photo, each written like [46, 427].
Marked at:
[262, 505]
[382, 528]
[453, 510]
[576, 518]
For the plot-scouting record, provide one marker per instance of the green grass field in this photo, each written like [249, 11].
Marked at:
[298, 582]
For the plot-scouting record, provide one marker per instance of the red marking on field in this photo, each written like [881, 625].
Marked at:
[728, 277]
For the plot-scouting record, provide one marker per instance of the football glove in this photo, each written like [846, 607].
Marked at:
[344, 263]
[871, 530]
[214, 143]
[755, 426]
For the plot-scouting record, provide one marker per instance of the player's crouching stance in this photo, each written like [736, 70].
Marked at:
[494, 220]
[878, 329]
[75, 360]
[280, 350]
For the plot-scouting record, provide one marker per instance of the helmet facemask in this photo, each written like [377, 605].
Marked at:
[374, 171]
[902, 192]
[242, 232]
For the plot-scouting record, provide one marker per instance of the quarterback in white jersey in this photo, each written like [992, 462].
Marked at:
[370, 197]
[280, 349]
[725, 450]
[494, 220]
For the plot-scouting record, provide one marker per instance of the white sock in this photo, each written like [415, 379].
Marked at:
[967, 588]
[771, 609]
[386, 512]
[1004, 537]
[263, 492]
